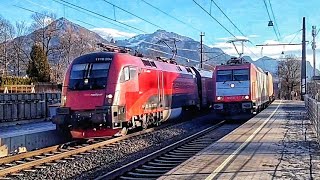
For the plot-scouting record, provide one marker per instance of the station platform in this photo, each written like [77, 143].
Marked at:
[278, 143]
[27, 137]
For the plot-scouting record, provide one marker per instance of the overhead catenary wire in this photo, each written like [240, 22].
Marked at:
[274, 18]
[127, 29]
[98, 14]
[212, 1]
[223, 26]
[171, 16]
[132, 14]
[215, 19]
[114, 32]
[295, 36]
[85, 12]
[270, 19]
[227, 17]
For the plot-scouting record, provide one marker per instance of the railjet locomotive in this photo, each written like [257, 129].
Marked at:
[107, 93]
[241, 87]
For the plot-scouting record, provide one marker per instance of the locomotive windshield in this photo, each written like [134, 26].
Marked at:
[224, 75]
[88, 76]
[233, 75]
[241, 75]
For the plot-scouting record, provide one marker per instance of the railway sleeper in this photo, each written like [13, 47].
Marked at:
[29, 159]
[168, 161]
[180, 153]
[173, 158]
[133, 178]
[20, 162]
[17, 174]
[40, 167]
[30, 170]
[162, 164]
[199, 143]
[156, 167]
[177, 155]
[162, 171]
[144, 175]
[10, 164]
[190, 148]
[190, 151]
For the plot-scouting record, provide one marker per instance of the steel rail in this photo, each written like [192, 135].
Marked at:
[130, 166]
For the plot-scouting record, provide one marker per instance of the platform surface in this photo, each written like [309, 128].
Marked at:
[24, 129]
[278, 143]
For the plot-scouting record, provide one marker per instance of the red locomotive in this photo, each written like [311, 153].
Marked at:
[241, 87]
[105, 93]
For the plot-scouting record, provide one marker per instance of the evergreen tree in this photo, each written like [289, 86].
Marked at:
[38, 67]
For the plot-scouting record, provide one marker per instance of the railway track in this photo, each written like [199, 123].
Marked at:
[31, 161]
[16, 165]
[158, 163]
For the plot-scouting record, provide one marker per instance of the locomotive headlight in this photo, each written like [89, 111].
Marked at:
[219, 98]
[232, 85]
[109, 96]
[63, 100]
[246, 97]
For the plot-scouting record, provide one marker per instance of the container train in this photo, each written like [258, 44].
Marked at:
[241, 87]
[107, 93]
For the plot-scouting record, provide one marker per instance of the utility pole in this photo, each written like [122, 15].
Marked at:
[201, 49]
[303, 62]
[314, 34]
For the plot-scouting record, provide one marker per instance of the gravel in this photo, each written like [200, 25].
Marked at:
[104, 160]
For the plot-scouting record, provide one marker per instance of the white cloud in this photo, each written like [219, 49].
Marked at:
[253, 36]
[256, 52]
[237, 37]
[107, 32]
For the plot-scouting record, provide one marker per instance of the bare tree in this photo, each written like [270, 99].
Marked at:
[21, 57]
[6, 34]
[289, 76]
[44, 30]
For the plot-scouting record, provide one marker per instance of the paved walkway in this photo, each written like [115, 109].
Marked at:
[276, 144]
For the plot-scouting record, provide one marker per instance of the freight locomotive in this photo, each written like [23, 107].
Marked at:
[241, 87]
[107, 93]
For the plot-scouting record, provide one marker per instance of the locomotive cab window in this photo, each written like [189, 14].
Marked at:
[241, 75]
[224, 75]
[88, 76]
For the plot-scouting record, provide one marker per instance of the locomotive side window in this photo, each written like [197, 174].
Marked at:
[224, 75]
[133, 72]
[126, 73]
[241, 75]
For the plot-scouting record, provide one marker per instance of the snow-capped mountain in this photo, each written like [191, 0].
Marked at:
[188, 50]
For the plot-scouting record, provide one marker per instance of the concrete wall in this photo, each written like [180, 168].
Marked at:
[26, 106]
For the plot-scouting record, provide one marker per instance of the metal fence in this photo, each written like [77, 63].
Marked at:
[26, 106]
[313, 109]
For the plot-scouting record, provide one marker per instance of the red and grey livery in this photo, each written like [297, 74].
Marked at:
[106, 92]
[241, 87]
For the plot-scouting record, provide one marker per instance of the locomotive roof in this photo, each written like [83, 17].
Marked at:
[94, 57]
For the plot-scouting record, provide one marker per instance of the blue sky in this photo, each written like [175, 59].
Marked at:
[250, 16]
